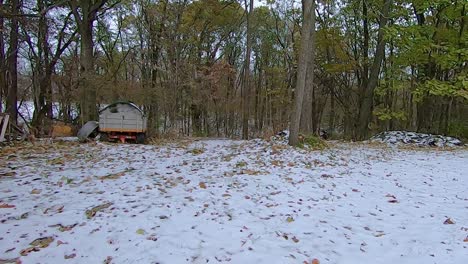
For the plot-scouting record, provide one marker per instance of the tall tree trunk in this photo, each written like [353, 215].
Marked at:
[246, 83]
[3, 84]
[365, 111]
[12, 75]
[88, 99]
[305, 55]
[85, 13]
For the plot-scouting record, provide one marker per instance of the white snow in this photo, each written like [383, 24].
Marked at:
[417, 139]
[213, 201]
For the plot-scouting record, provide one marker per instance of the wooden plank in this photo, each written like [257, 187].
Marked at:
[4, 126]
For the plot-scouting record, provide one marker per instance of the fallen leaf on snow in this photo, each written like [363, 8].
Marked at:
[250, 172]
[36, 191]
[28, 250]
[92, 212]
[290, 219]
[449, 221]
[113, 176]
[10, 261]
[70, 256]
[42, 242]
[152, 237]
[140, 231]
[202, 185]
[5, 205]
[55, 208]
[59, 242]
[295, 239]
[108, 260]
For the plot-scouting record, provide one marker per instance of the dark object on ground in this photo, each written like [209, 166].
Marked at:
[323, 134]
[419, 139]
[89, 130]
[284, 133]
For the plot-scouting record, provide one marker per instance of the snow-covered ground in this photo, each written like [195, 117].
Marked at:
[213, 201]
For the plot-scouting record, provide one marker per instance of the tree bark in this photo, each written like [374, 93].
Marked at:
[85, 21]
[12, 74]
[3, 84]
[304, 56]
[246, 83]
[365, 111]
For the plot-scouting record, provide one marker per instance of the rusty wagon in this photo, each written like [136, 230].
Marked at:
[122, 121]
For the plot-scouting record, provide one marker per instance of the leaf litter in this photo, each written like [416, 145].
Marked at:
[181, 201]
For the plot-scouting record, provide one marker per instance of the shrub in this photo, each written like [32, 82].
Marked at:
[311, 142]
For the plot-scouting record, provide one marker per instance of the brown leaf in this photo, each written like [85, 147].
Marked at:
[42, 242]
[466, 239]
[10, 261]
[113, 176]
[70, 256]
[108, 260]
[295, 239]
[36, 191]
[5, 205]
[59, 242]
[28, 250]
[202, 185]
[63, 228]
[393, 201]
[92, 212]
[250, 172]
[449, 221]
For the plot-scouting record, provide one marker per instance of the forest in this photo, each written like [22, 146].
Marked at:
[233, 68]
[258, 131]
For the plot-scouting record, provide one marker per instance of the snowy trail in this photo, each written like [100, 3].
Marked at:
[229, 201]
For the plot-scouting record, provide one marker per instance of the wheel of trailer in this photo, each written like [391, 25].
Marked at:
[140, 138]
[104, 137]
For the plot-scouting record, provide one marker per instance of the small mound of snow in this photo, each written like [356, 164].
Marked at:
[419, 139]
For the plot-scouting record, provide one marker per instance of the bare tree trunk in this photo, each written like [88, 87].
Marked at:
[85, 21]
[303, 69]
[365, 113]
[246, 83]
[3, 84]
[331, 120]
[12, 75]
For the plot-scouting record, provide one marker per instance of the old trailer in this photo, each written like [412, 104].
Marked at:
[122, 121]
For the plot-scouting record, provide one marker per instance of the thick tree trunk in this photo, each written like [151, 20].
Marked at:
[12, 74]
[305, 54]
[3, 84]
[365, 111]
[88, 99]
[85, 20]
